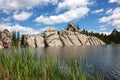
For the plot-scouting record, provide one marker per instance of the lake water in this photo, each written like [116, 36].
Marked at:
[105, 59]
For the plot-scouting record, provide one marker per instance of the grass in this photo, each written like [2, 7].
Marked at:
[23, 65]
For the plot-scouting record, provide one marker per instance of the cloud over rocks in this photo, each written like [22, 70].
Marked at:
[17, 27]
[112, 18]
[75, 9]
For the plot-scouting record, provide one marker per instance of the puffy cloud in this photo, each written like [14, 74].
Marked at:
[105, 32]
[75, 9]
[100, 31]
[112, 18]
[22, 16]
[24, 4]
[17, 27]
[65, 17]
[2, 20]
[98, 11]
[109, 11]
[72, 4]
[112, 1]
[102, 28]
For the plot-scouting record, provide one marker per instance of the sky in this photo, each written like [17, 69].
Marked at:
[34, 16]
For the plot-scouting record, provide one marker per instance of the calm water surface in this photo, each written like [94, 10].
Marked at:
[105, 59]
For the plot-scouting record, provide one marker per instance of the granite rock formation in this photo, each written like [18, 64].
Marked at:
[71, 36]
[34, 40]
[5, 39]
[52, 38]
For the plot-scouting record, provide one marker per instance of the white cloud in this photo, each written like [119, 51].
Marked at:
[72, 4]
[2, 20]
[98, 11]
[65, 17]
[17, 27]
[109, 11]
[24, 4]
[22, 16]
[116, 1]
[76, 9]
[105, 32]
[102, 28]
[6, 11]
[113, 18]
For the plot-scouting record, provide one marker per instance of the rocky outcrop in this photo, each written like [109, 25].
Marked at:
[52, 38]
[81, 37]
[34, 40]
[71, 36]
[93, 41]
[68, 38]
[5, 39]
[1, 45]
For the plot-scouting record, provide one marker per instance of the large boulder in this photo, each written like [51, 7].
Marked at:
[34, 41]
[69, 38]
[1, 45]
[64, 38]
[39, 41]
[72, 27]
[30, 41]
[52, 38]
[6, 38]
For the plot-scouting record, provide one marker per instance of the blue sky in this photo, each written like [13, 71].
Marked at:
[34, 16]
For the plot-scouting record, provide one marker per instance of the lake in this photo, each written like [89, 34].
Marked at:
[105, 59]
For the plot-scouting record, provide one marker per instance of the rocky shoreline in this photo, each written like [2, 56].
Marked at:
[71, 36]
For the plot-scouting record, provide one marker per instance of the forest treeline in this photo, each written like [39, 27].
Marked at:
[113, 38]
[17, 39]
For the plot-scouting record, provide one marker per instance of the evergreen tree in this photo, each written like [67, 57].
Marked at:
[18, 38]
[14, 41]
[22, 40]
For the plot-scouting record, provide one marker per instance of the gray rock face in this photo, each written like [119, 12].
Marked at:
[34, 41]
[81, 37]
[1, 45]
[52, 38]
[39, 41]
[5, 39]
[70, 37]
[30, 41]
[94, 41]
[64, 38]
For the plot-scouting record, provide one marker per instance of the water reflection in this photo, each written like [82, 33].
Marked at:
[105, 58]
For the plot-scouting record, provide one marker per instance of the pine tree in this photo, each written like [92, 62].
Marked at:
[22, 40]
[18, 38]
[14, 41]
